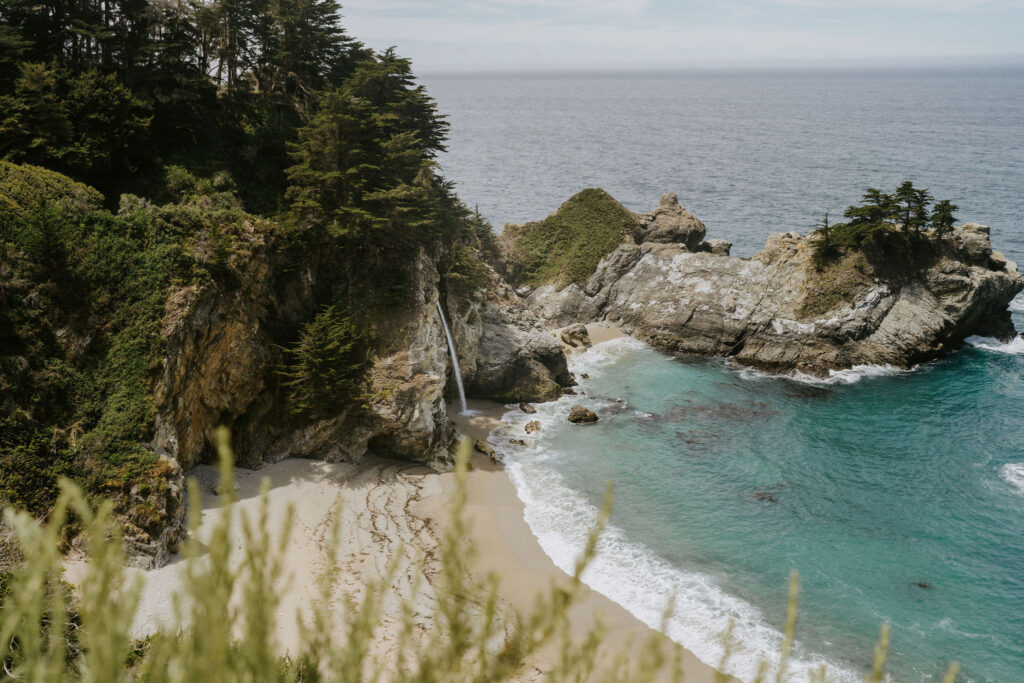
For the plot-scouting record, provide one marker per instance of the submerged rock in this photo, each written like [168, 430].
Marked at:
[527, 408]
[532, 427]
[580, 415]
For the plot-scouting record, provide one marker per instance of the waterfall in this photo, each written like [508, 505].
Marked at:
[455, 360]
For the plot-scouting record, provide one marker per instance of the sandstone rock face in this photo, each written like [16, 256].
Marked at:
[580, 415]
[151, 547]
[221, 359]
[779, 312]
[220, 369]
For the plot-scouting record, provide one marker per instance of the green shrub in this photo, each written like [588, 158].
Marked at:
[566, 246]
[325, 368]
[25, 189]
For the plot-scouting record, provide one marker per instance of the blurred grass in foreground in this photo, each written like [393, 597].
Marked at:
[227, 613]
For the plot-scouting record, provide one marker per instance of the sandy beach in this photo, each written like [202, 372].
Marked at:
[387, 509]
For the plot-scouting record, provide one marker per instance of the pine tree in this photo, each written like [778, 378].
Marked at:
[364, 164]
[325, 367]
[942, 218]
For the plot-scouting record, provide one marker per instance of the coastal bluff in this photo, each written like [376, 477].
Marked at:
[781, 311]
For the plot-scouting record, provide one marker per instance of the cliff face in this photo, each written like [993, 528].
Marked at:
[219, 369]
[783, 311]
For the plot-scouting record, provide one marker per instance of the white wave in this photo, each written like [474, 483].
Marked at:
[627, 572]
[636, 578]
[1017, 305]
[847, 376]
[1014, 346]
[1013, 474]
[598, 357]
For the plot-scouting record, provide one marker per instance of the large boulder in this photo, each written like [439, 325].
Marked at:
[670, 223]
[576, 336]
[974, 242]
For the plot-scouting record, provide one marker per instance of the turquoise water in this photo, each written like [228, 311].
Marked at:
[890, 494]
[872, 486]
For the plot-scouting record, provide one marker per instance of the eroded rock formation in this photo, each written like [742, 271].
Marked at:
[782, 310]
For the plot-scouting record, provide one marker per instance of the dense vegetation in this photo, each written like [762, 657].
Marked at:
[148, 148]
[892, 236]
[82, 294]
[899, 220]
[566, 246]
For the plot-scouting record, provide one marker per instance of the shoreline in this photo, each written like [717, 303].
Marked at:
[507, 547]
[388, 509]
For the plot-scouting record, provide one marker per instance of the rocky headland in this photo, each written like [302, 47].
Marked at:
[783, 310]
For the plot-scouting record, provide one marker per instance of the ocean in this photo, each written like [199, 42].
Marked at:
[897, 496]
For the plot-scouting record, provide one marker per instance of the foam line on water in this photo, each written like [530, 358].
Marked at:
[1013, 474]
[1014, 346]
[625, 571]
[847, 376]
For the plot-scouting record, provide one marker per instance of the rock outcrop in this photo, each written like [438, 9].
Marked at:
[505, 353]
[670, 223]
[782, 310]
[580, 415]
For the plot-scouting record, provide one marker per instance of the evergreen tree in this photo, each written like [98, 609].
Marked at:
[912, 206]
[86, 125]
[364, 164]
[325, 367]
[942, 218]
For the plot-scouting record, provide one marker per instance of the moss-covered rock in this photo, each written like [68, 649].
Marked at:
[566, 246]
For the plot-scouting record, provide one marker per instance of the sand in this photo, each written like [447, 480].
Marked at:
[389, 508]
[603, 331]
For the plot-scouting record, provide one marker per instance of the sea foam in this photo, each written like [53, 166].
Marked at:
[847, 376]
[1013, 474]
[1015, 346]
[628, 572]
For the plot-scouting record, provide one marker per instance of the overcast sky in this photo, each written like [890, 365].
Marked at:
[552, 35]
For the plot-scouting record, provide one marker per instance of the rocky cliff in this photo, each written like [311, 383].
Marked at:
[221, 359]
[219, 369]
[127, 339]
[785, 310]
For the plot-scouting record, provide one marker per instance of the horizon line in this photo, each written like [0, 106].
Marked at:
[917, 65]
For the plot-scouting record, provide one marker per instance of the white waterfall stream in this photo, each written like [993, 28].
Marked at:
[455, 360]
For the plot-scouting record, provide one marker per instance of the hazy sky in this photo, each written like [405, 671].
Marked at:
[475, 35]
